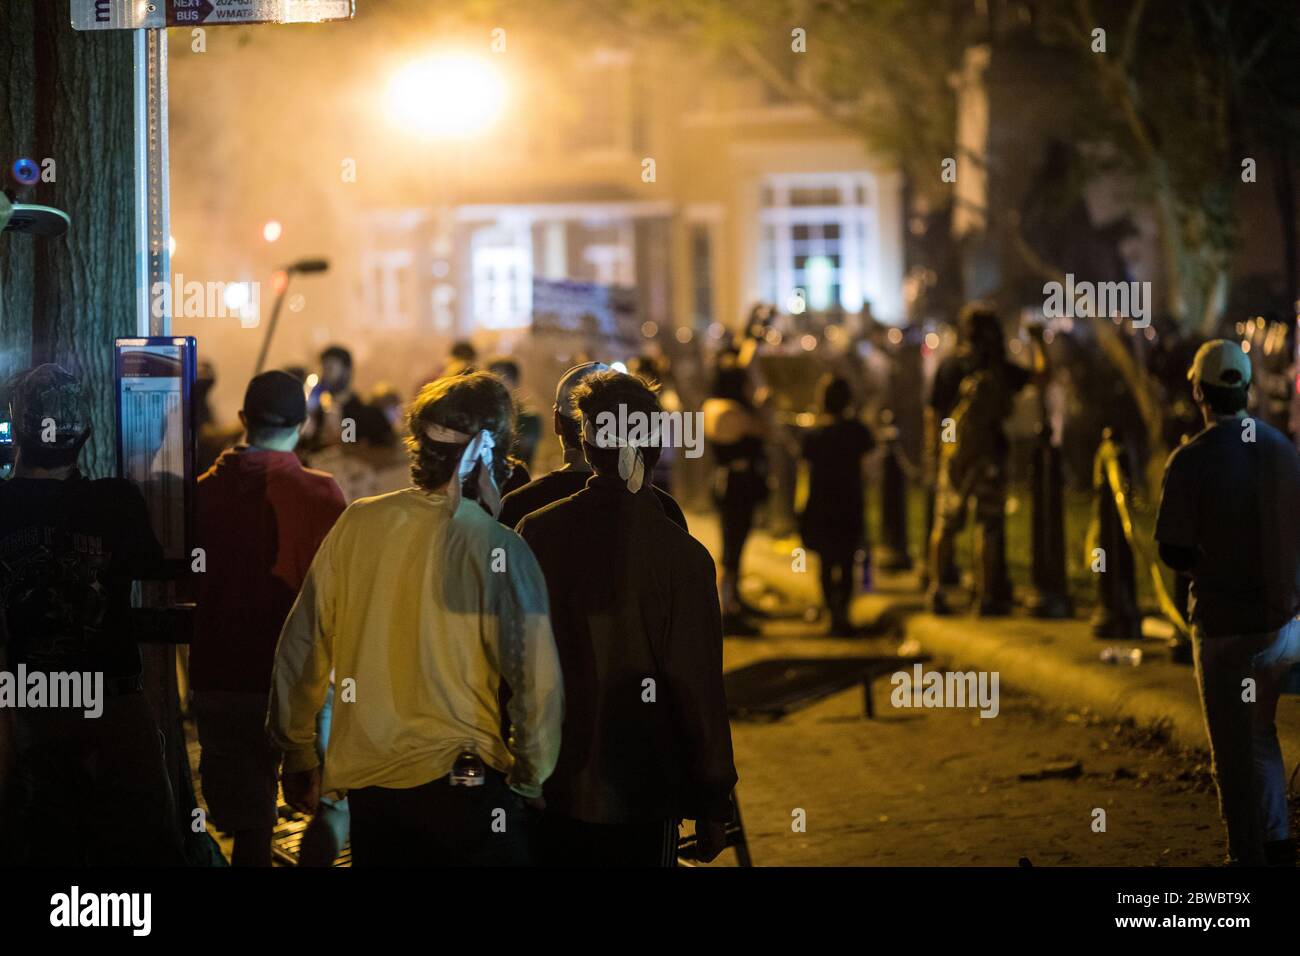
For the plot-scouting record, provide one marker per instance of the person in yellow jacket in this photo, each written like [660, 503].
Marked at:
[428, 612]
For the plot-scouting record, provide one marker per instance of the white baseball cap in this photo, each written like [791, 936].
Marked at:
[1221, 363]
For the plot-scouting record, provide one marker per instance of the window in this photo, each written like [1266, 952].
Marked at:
[816, 233]
[502, 276]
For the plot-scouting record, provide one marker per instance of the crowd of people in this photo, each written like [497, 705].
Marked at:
[485, 667]
[478, 668]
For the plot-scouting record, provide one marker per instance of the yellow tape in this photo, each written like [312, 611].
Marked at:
[1110, 462]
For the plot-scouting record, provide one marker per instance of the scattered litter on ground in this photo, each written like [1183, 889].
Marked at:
[1119, 655]
[1061, 770]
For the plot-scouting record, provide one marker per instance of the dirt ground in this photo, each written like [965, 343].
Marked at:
[936, 787]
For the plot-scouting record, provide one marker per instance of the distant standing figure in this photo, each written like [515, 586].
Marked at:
[656, 372]
[213, 437]
[735, 432]
[973, 467]
[334, 402]
[528, 424]
[832, 522]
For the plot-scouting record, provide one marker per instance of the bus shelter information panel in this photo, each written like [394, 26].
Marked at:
[153, 429]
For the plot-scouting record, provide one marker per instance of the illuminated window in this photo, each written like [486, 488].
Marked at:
[502, 278]
[817, 235]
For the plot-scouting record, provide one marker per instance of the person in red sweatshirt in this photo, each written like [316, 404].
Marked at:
[261, 517]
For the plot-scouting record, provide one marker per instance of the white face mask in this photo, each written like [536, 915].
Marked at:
[476, 457]
[612, 432]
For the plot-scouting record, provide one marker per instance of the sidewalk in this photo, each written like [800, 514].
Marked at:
[1058, 661]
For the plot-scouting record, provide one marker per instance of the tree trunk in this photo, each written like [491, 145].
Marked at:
[67, 96]
[1284, 195]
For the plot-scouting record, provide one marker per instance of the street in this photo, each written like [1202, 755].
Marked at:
[941, 787]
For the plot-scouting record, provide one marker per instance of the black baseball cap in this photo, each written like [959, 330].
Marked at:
[275, 399]
[50, 395]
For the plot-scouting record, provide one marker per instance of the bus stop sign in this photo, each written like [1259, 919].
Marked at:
[138, 15]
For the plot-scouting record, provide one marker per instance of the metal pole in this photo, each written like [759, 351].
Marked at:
[270, 328]
[152, 192]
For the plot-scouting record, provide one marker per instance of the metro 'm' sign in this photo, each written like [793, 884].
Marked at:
[139, 14]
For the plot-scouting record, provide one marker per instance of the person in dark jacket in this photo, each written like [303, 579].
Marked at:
[90, 784]
[337, 413]
[572, 477]
[832, 521]
[972, 465]
[1230, 517]
[646, 742]
[261, 518]
[736, 432]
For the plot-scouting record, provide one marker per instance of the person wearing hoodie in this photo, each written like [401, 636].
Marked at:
[261, 517]
[646, 741]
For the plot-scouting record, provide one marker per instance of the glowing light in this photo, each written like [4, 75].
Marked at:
[446, 95]
[171, 245]
[931, 341]
[237, 296]
[796, 305]
[271, 231]
[1245, 345]
[895, 336]
[279, 281]
[618, 367]
[649, 329]
[808, 342]
[684, 335]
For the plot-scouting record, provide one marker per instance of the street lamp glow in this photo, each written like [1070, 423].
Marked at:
[446, 95]
[236, 295]
[272, 231]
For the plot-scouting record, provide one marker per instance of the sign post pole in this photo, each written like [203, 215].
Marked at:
[152, 181]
